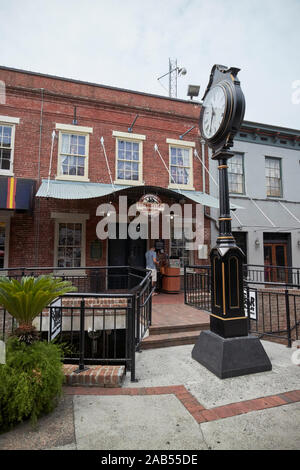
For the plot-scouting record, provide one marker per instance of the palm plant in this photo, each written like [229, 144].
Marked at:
[26, 299]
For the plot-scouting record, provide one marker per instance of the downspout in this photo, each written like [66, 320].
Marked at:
[37, 201]
[203, 165]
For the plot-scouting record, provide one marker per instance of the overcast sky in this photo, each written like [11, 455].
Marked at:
[128, 43]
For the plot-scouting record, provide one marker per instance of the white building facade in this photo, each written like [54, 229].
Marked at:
[264, 179]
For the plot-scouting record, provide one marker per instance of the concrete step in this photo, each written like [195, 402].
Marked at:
[166, 329]
[97, 376]
[171, 339]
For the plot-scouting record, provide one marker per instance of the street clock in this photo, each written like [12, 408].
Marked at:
[223, 108]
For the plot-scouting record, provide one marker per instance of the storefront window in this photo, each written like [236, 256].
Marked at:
[178, 247]
[69, 245]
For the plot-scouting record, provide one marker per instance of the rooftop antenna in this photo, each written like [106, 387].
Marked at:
[174, 73]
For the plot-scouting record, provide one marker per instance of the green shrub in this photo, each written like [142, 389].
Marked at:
[26, 299]
[30, 381]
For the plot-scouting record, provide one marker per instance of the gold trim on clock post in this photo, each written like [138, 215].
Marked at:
[223, 289]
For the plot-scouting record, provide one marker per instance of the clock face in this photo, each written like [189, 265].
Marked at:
[214, 109]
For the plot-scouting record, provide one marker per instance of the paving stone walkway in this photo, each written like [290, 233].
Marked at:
[176, 405]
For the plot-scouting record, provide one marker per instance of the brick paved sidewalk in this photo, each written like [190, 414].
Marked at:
[177, 404]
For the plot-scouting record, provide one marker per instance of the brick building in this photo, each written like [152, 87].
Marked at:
[68, 146]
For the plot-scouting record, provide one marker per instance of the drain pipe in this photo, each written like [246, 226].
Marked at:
[202, 141]
[37, 202]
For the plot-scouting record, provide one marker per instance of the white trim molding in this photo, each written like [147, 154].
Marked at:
[128, 135]
[9, 120]
[74, 128]
[181, 143]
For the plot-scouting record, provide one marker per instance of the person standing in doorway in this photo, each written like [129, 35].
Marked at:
[151, 262]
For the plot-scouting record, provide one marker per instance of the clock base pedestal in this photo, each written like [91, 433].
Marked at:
[229, 328]
[230, 357]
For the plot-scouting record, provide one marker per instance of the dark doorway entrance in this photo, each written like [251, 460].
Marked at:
[124, 252]
[276, 257]
[241, 241]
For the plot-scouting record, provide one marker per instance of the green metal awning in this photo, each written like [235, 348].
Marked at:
[75, 189]
[85, 190]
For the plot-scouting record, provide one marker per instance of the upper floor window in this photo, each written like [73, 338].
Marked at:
[73, 152]
[273, 176]
[7, 137]
[236, 174]
[5, 147]
[181, 164]
[129, 158]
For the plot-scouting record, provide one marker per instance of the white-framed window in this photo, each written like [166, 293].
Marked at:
[129, 158]
[73, 152]
[69, 240]
[181, 164]
[273, 176]
[236, 174]
[7, 143]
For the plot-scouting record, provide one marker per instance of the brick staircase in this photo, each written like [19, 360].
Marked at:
[165, 336]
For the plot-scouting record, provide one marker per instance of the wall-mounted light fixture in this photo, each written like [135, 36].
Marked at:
[193, 91]
[257, 242]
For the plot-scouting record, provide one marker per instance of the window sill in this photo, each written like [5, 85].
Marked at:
[238, 195]
[129, 183]
[181, 186]
[70, 273]
[7, 173]
[72, 178]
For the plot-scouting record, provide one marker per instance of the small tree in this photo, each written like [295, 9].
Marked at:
[26, 299]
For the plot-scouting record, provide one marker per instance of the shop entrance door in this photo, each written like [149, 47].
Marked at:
[275, 254]
[124, 252]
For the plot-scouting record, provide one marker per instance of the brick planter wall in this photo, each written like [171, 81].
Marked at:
[113, 309]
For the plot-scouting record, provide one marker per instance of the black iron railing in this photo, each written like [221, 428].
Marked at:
[273, 308]
[103, 322]
[273, 312]
[269, 273]
[93, 279]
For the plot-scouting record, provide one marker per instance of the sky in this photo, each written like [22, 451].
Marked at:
[127, 44]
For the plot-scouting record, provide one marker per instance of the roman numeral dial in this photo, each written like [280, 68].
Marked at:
[214, 109]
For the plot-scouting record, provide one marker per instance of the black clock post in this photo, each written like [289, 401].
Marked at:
[226, 349]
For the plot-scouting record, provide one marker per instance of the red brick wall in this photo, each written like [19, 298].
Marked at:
[104, 109]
